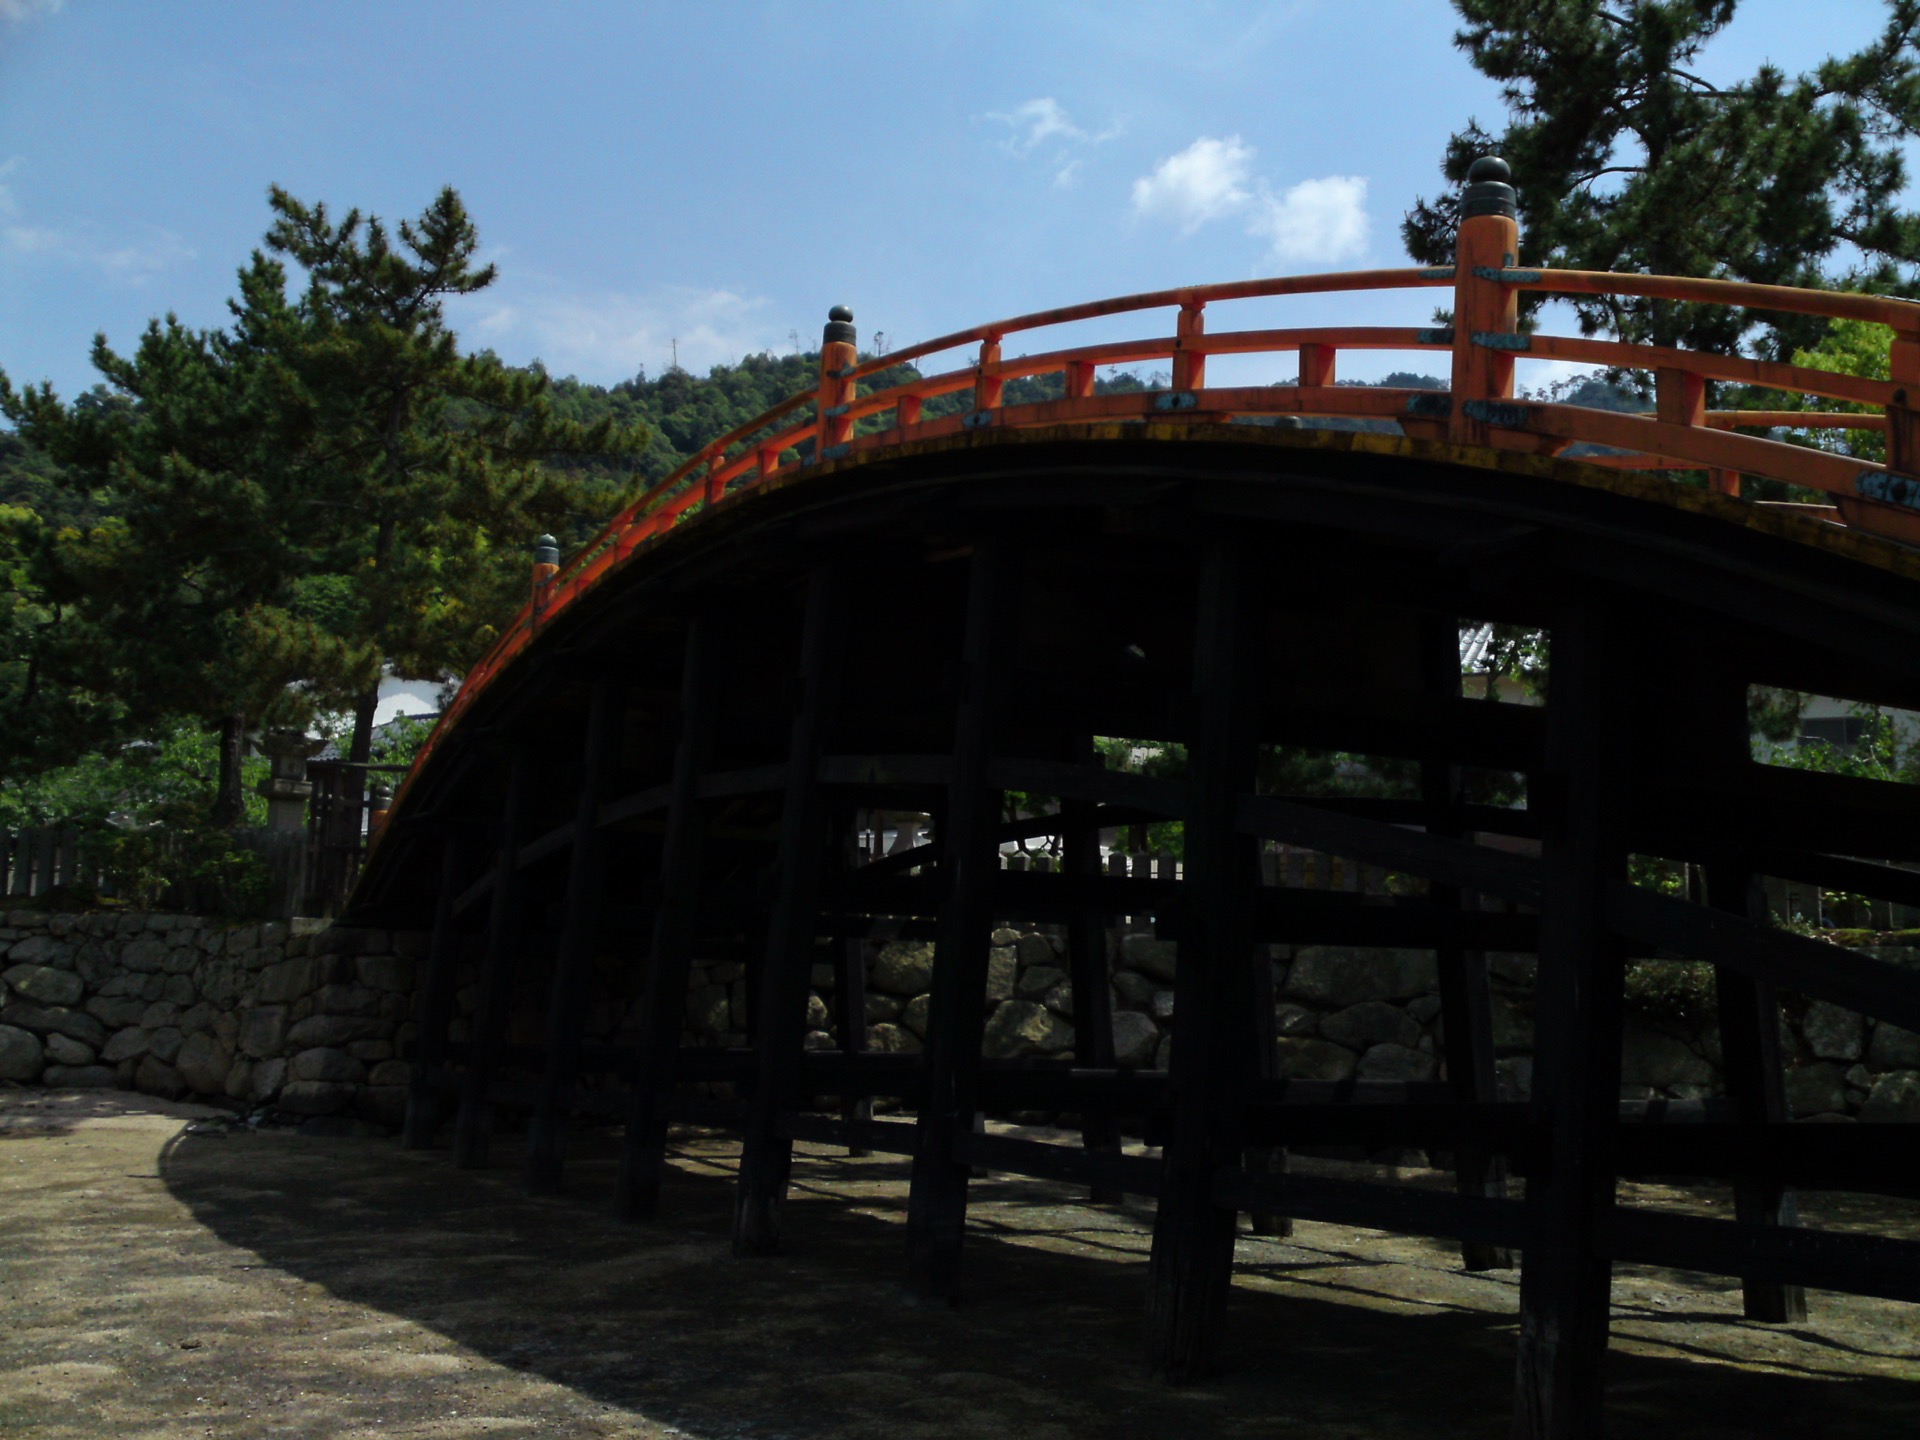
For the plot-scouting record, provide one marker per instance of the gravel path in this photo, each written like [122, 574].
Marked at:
[165, 1276]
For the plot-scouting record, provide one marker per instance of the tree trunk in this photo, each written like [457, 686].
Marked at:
[361, 744]
[230, 800]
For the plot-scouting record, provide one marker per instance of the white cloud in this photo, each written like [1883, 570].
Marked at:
[1213, 179]
[28, 9]
[131, 262]
[1316, 220]
[609, 336]
[1067, 176]
[1032, 123]
[140, 262]
[1206, 181]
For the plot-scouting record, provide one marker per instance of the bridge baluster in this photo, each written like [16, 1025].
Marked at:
[1489, 240]
[1903, 417]
[546, 565]
[1190, 365]
[1317, 364]
[839, 352]
[987, 384]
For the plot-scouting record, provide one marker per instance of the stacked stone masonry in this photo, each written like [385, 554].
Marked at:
[301, 1020]
[295, 1020]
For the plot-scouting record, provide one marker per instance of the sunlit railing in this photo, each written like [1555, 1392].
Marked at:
[1481, 407]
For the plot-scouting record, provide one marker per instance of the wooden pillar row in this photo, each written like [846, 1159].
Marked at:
[473, 1125]
[438, 985]
[1215, 1042]
[969, 860]
[580, 927]
[780, 1018]
[670, 953]
[1089, 969]
[1466, 999]
[850, 982]
[1749, 1013]
[1565, 1274]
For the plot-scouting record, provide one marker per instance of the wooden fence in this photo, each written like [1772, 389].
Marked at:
[37, 862]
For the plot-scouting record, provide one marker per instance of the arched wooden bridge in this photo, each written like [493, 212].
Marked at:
[814, 620]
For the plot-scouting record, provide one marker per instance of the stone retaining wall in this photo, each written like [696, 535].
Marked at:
[301, 1020]
[288, 1020]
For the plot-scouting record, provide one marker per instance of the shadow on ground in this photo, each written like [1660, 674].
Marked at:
[660, 1321]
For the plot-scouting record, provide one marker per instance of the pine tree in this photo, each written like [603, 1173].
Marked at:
[178, 599]
[1627, 159]
[429, 481]
[324, 489]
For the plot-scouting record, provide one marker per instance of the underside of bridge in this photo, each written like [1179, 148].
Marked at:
[678, 771]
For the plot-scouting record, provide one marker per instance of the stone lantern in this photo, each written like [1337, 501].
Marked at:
[287, 787]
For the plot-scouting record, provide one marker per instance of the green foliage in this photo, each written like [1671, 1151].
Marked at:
[139, 812]
[1850, 347]
[1774, 715]
[164, 780]
[1879, 754]
[1680, 991]
[1626, 159]
[243, 526]
[428, 472]
[398, 741]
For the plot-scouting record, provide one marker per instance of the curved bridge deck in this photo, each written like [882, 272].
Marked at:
[671, 760]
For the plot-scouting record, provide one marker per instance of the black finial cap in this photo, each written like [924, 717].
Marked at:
[546, 551]
[839, 327]
[1488, 191]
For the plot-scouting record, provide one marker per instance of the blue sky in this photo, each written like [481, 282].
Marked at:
[719, 174]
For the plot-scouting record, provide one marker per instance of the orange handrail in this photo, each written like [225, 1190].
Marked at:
[1480, 409]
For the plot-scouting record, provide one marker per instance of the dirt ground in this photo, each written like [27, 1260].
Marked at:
[163, 1276]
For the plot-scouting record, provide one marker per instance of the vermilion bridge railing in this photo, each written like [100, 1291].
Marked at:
[1480, 408]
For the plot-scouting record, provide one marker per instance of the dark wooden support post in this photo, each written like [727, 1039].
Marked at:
[573, 966]
[1214, 1043]
[1565, 1273]
[1266, 1159]
[1466, 999]
[437, 987]
[643, 1154]
[850, 989]
[473, 1126]
[780, 1020]
[1088, 969]
[1756, 1084]
[1749, 1016]
[970, 860]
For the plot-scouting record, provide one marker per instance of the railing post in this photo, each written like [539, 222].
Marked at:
[987, 384]
[546, 565]
[1489, 239]
[1903, 416]
[1190, 365]
[1680, 398]
[838, 354]
[1316, 365]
